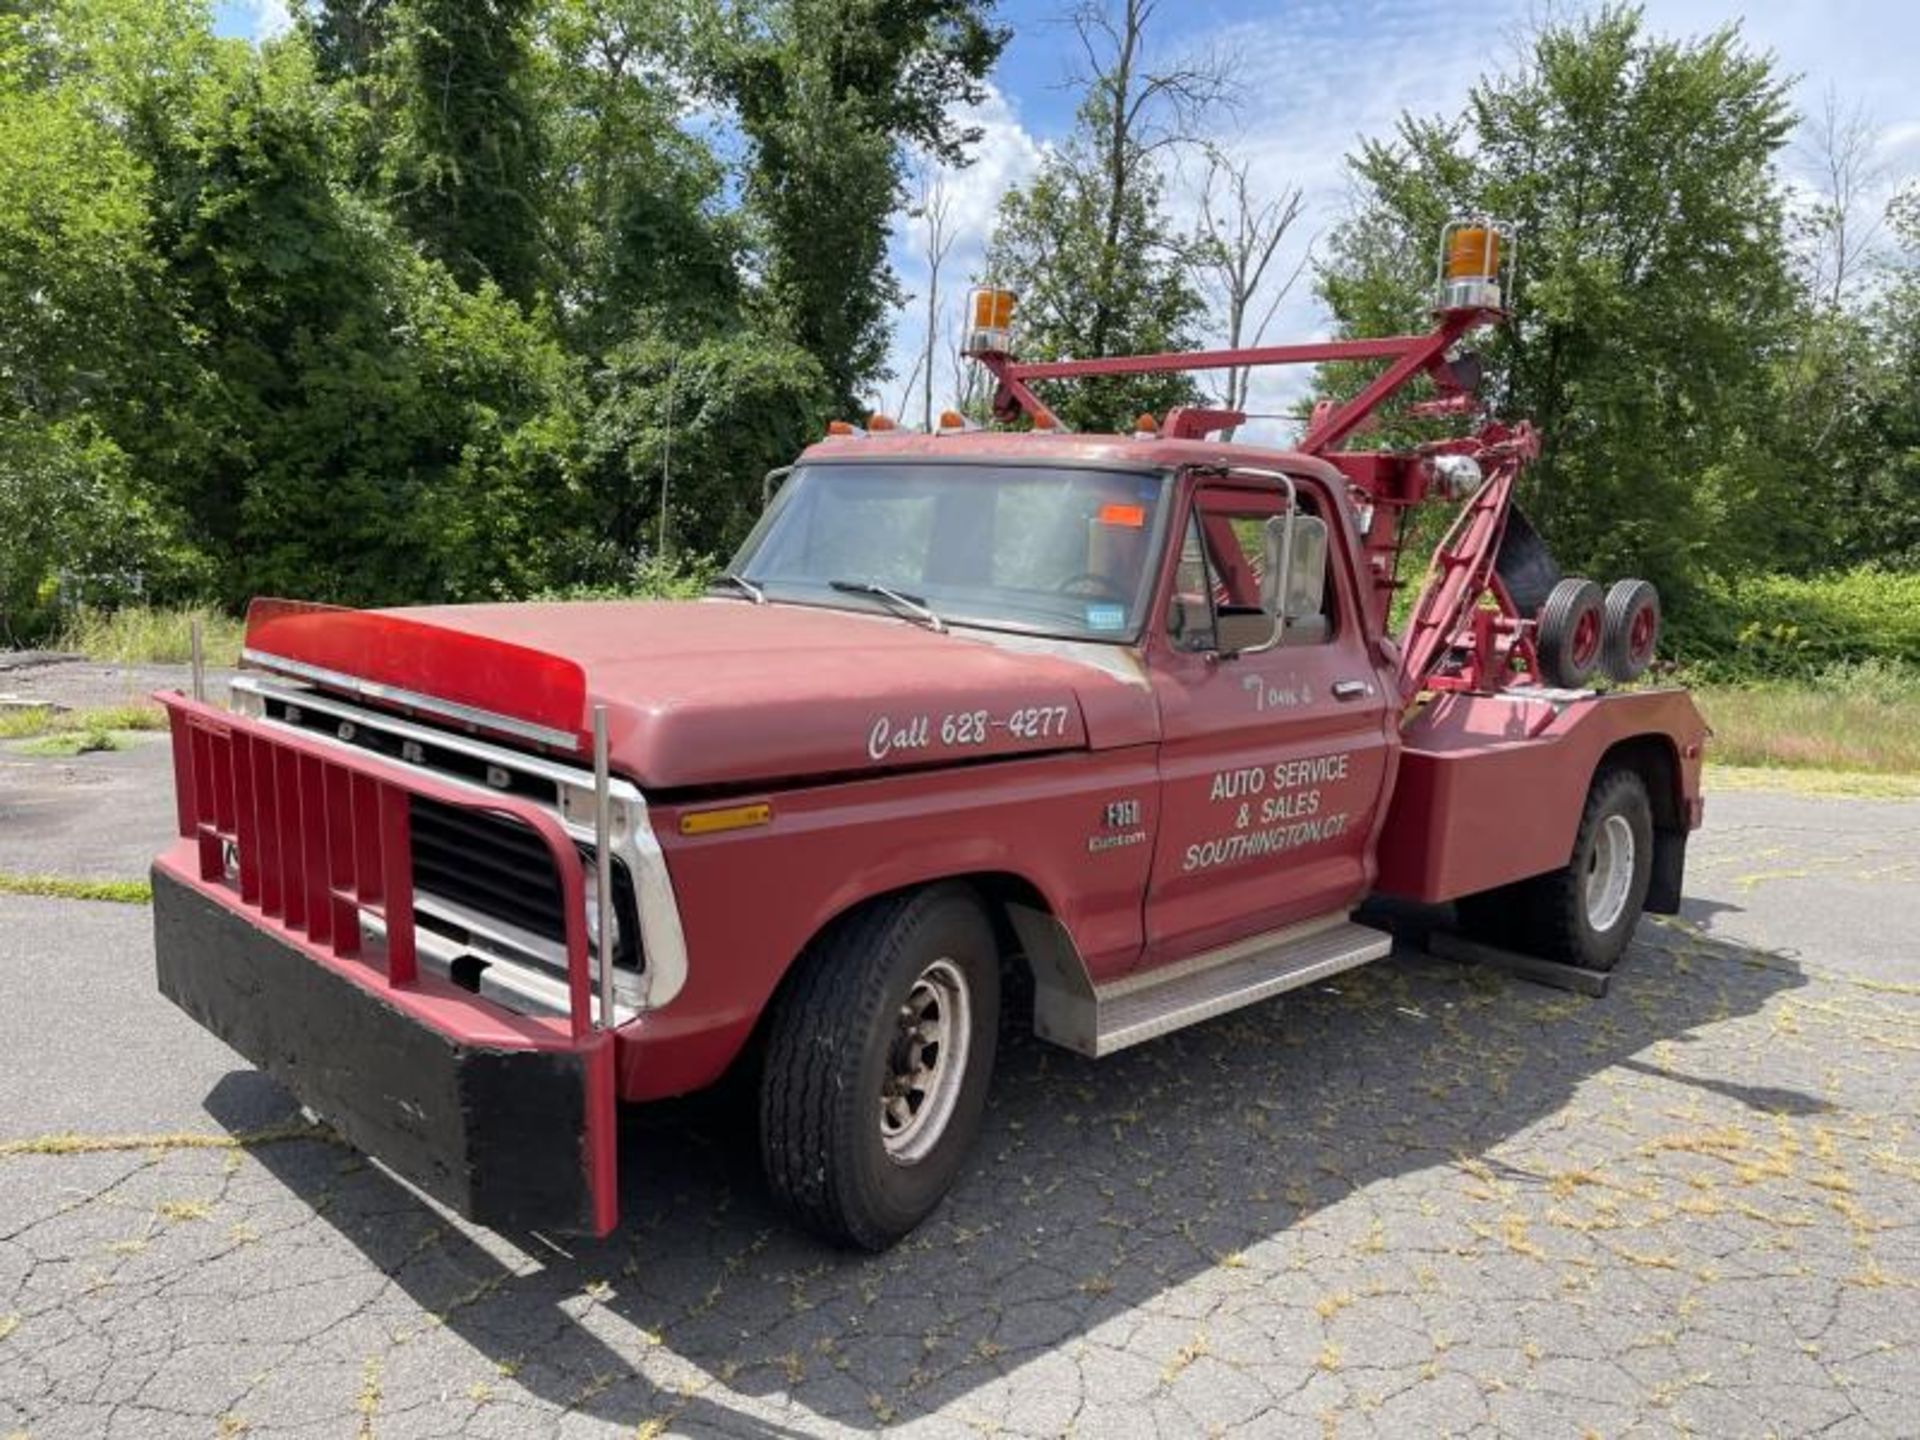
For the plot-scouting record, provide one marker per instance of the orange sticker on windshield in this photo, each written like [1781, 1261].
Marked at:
[1131, 516]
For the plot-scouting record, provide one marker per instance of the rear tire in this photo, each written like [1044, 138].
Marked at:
[878, 1060]
[1631, 627]
[1568, 639]
[1585, 912]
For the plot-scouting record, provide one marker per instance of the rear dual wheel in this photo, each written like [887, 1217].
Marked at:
[877, 1065]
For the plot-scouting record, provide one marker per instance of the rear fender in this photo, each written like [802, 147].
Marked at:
[1491, 789]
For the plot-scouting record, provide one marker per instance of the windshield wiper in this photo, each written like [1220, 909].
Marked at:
[745, 586]
[912, 604]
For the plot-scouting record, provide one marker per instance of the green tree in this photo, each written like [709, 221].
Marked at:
[829, 93]
[705, 423]
[463, 162]
[91, 338]
[634, 210]
[1136, 296]
[1652, 291]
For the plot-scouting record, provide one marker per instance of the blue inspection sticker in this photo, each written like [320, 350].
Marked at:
[1102, 616]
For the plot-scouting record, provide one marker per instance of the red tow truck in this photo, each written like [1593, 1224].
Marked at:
[1121, 712]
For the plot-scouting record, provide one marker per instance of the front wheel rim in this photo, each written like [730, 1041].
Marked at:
[1609, 873]
[926, 1062]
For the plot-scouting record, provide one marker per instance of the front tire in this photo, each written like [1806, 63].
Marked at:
[878, 1060]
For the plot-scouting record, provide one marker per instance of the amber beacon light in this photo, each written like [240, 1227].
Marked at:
[989, 321]
[1471, 254]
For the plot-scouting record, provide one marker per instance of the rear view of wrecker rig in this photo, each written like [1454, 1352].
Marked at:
[1122, 712]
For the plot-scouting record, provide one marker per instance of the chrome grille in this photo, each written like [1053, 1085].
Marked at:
[499, 868]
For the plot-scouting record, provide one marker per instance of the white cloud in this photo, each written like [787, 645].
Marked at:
[262, 19]
[1006, 157]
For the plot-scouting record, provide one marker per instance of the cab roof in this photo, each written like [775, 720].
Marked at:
[1120, 452]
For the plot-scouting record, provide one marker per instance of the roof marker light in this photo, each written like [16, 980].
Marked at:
[877, 422]
[1146, 426]
[842, 427]
[951, 420]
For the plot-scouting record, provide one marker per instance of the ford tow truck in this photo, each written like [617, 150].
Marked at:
[1121, 714]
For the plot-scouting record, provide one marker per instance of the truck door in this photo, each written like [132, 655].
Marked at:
[1272, 764]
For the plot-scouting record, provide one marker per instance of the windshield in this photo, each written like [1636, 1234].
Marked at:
[1047, 549]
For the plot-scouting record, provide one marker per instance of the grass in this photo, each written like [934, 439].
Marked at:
[141, 635]
[1861, 718]
[1854, 784]
[104, 720]
[60, 887]
[76, 742]
[67, 1142]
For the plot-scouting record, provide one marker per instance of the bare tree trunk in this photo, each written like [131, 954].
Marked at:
[935, 212]
[1146, 110]
[1238, 236]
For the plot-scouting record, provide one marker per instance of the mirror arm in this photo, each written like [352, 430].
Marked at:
[773, 478]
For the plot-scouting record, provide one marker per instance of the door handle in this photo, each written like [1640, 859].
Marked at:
[1351, 689]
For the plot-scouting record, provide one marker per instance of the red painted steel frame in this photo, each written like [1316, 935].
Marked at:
[1411, 355]
[1462, 571]
[324, 833]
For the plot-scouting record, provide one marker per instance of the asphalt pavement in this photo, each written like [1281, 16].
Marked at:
[1421, 1199]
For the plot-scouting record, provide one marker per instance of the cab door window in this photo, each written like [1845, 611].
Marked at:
[1220, 578]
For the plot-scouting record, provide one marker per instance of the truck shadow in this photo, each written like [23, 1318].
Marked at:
[1096, 1188]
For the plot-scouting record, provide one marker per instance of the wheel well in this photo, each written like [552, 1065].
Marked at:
[1652, 758]
[1025, 930]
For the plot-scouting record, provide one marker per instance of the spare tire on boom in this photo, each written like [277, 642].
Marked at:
[1572, 623]
[1631, 628]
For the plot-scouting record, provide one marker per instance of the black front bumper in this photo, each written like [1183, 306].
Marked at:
[498, 1135]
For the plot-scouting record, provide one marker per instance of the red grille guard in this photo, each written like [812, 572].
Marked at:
[320, 835]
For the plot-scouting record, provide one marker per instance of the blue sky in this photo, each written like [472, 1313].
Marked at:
[1317, 74]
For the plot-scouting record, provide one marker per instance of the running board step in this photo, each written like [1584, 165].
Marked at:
[1141, 1007]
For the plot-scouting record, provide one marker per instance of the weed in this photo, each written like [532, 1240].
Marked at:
[141, 635]
[78, 742]
[60, 887]
[1873, 728]
[1185, 1356]
[37, 721]
[68, 1143]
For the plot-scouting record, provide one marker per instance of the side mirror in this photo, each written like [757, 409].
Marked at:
[1294, 575]
[774, 479]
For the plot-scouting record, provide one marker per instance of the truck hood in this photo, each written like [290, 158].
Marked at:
[726, 693]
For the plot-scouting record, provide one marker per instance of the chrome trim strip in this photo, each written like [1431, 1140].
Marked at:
[413, 700]
[497, 941]
[662, 937]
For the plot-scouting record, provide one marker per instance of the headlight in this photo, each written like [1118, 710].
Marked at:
[591, 896]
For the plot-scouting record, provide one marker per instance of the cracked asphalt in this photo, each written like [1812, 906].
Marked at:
[1422, 1199]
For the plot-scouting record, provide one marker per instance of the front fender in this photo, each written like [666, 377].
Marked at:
[752, 898]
